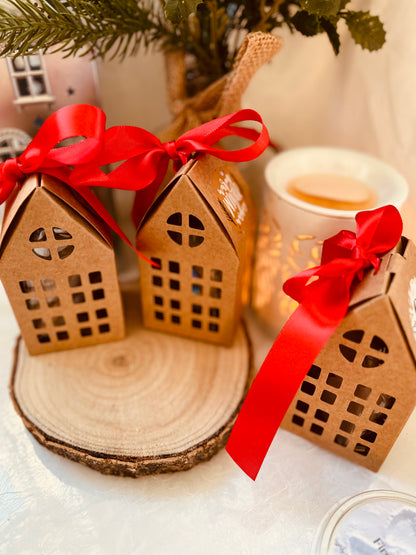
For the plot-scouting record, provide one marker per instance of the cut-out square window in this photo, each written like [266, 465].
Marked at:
[85, 332]
[314, 372]
[48, 284]
[61, 335]
[64, 252]
[298, 420]
[362, 392]
[214, 312]
[308, 388]
[53, 301]
[97, 294]
[159, 315]
[302, 406]
[175, 236]
[197, 309]
[175, 219]
[27, 286]
[95, 277]
[341, 440]
[58, 321]
[195, 223]
[101, 313]
[378, 345]
[346, 426]
[83, 317]
[315, 429]
[197, 271]
[104, 328]
[32, 304]
[174, 267]
[175, 319]
[372, 362]
[157, 261]
[361, 449]
[368, 435]
[196, 289]
[196, 324]
[174, 284]
[355, 408]
[74, 280]
[321, 415]
[60, 234]
[334, 381]
[216, 275]
[347, 352]
[44, 338]
[212, 326]
[378, 417]
[158, 300]
[215, 292]
[42, 253]
[38, 235]
[385, 401]
[195, 240]
[328, 397]
[39, 323]
[175, 304]
[78, 298]
[157, 280]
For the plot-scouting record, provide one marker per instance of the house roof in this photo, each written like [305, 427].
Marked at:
[225, 193]
[58, 191]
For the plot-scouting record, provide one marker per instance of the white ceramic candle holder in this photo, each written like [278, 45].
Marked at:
[292, 231]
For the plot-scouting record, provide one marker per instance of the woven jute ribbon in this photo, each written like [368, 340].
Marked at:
[221, 97]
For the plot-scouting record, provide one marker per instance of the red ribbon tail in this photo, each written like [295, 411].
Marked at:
[282, 372]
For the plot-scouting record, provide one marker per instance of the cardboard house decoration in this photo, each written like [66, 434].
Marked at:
[58, 269]
[361, 389]
[200, 231]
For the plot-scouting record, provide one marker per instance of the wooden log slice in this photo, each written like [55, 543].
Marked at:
[151, 403]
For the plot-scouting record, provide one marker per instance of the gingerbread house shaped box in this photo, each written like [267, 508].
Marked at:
[361, 389]
[58, 268]
[200, 231]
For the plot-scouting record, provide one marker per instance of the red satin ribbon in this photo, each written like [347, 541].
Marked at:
[145, 159]
[323, 305]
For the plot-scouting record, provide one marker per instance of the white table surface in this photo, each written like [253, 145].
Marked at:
[50, 505]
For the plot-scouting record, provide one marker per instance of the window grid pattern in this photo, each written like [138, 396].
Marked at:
[51, 244]
[363, 417]
[180, 290]
[50, 322]
[29, 78]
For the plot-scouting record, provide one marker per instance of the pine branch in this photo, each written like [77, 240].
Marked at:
[79, 27]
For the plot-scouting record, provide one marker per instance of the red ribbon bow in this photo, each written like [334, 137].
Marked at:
[323, 305]
[145, 158]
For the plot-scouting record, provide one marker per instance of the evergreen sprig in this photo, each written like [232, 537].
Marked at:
[100, 27]
[210, 31]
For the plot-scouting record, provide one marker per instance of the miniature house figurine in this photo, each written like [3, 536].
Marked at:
[361, 389]
[58, 268]
[200, 231]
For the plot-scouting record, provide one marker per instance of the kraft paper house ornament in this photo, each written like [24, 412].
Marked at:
[361, 389]
[341, 372]
[58, 268]
[200, 233]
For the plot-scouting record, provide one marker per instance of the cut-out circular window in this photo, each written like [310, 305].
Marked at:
[368, 359]
[182, 229]
[50, 247]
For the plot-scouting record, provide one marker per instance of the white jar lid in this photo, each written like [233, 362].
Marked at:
[370, 523]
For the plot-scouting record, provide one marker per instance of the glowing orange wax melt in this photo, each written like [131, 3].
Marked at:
[339, 192]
